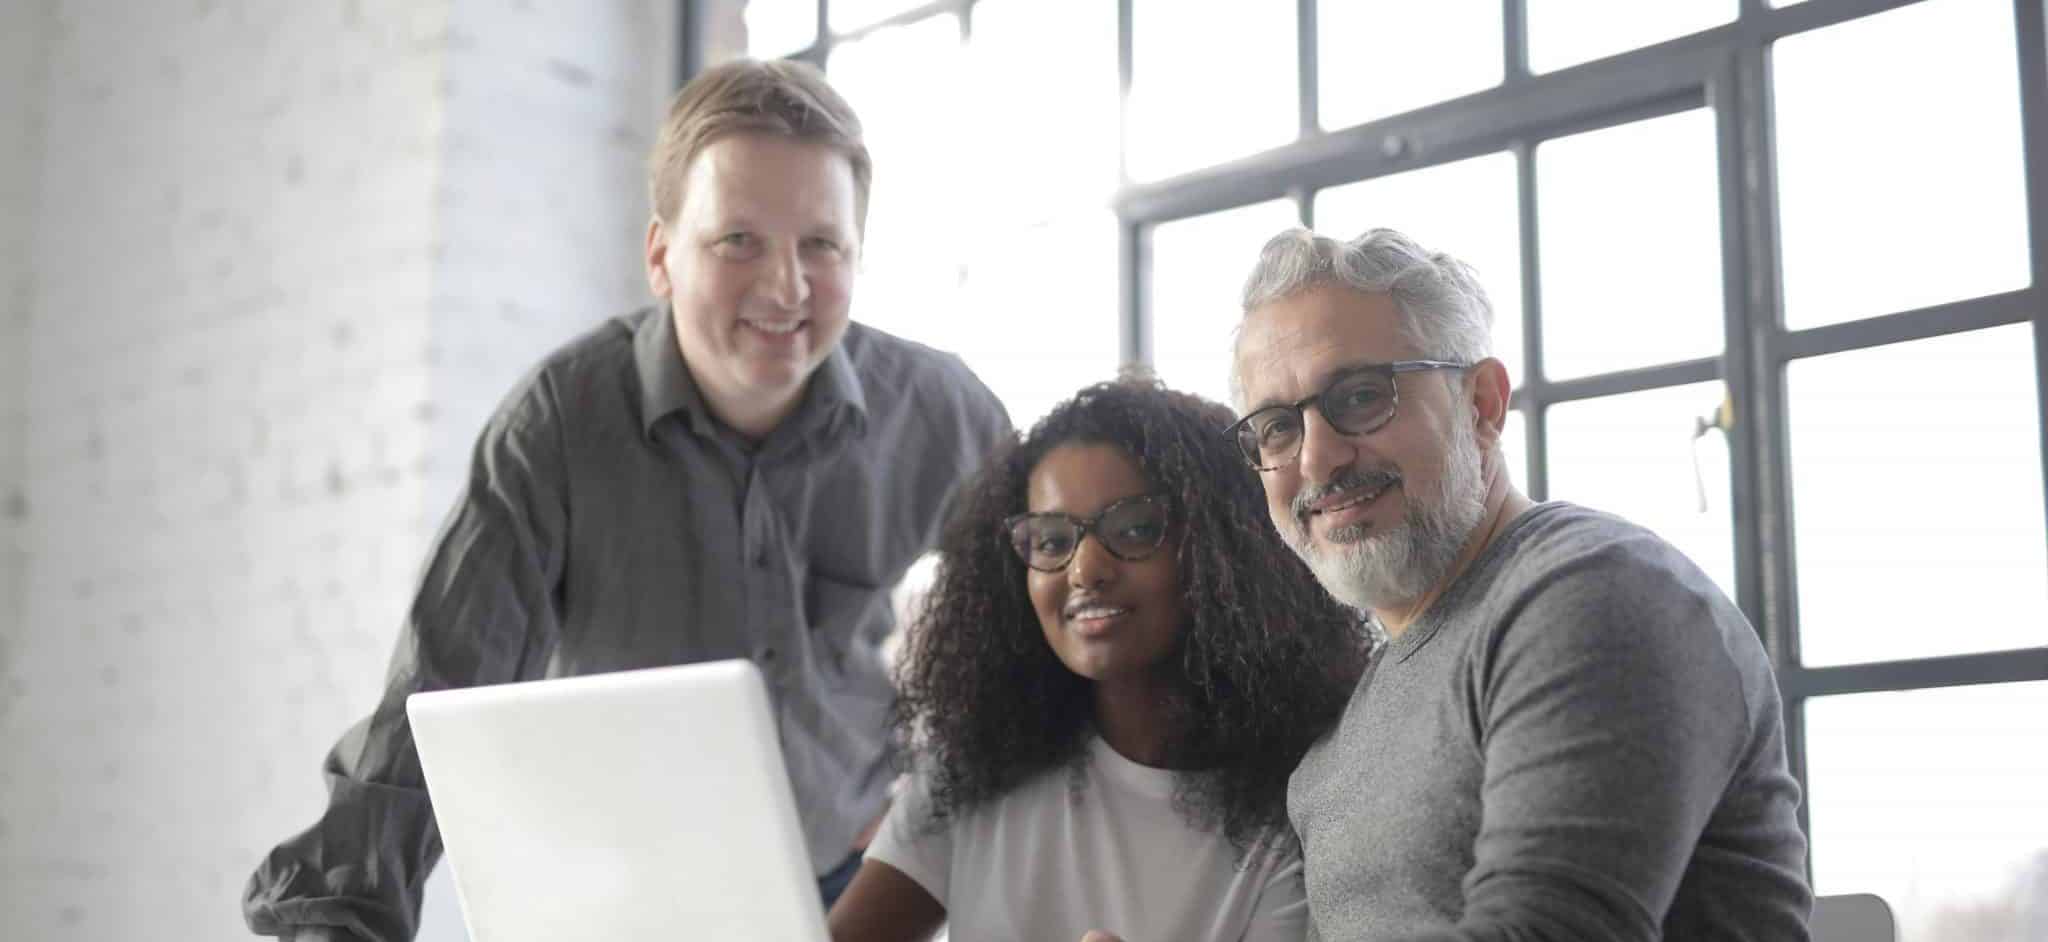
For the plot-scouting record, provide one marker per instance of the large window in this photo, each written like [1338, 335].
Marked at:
[956, 98]
[1767, 275]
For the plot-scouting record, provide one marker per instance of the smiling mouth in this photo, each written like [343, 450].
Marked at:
[776, 329]
[1356, 498]
[1094, 618]
[1096, 612]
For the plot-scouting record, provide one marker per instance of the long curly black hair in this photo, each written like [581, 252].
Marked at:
[1269, 658]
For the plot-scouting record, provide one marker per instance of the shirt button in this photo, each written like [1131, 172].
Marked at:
[761, 559]
[766, 655]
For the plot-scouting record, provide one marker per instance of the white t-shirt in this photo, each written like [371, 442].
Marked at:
[1048, 861]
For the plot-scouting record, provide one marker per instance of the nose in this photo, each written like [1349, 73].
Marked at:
[1324, 449]
[1092, 566]
[785, 281]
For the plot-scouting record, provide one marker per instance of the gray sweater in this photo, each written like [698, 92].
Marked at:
[1581, 740]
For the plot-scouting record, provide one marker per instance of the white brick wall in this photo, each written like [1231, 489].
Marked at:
[285, 257]
[553, 237]
[20, 137]
[21, 75]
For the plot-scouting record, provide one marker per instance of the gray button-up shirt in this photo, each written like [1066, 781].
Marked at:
[611, 522]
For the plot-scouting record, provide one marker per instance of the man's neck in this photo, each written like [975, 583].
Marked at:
[1503, 505]
[751, 420]
[751, 416]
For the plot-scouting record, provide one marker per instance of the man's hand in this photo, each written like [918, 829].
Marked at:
[1097, 935]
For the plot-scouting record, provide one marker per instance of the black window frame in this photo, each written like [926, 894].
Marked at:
[1727, 69]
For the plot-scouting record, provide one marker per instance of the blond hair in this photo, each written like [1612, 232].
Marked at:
[749, 95]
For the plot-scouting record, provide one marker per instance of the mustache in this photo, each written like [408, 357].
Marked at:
[1351, 479]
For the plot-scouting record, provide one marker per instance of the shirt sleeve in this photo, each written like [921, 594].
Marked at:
[1281, 913]
[486, 612]
[983, 426]
[913, 844]
[1611, 717]
[988, 421]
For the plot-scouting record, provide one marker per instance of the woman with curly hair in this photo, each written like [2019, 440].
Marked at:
[1104, 693]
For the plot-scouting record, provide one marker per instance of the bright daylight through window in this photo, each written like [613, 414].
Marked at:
[1763, 276]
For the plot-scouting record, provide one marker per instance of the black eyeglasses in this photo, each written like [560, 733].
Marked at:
[1130, 529]
[1359, 401]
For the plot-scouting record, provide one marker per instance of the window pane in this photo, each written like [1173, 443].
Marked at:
[1038, 314]
[854, 14]
[912, 261]
[1918, 466]
[1467, 209]
[1932, 799]
[779, 27]
[1048, 135]
[1636, 455]
[1900, 187]
[1568, 32]
[1630, 234]
[1198, 271]
[1211, 80]
[1382, 57]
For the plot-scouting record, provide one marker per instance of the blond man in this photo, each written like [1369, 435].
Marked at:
[736, 472]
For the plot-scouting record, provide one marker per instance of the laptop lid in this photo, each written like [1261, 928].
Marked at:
[643, 804]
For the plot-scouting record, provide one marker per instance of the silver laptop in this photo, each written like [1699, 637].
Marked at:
[648, 804]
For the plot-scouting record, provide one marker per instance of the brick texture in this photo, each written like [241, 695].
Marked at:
[268, 266]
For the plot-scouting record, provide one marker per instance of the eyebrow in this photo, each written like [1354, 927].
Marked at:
[730, 222]
[1321, 383]
[737, 222]
[1028, 512]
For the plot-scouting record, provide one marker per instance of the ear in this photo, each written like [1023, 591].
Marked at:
[656, 259]
[1489, 391]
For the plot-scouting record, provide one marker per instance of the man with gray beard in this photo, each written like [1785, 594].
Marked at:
[1570, 733]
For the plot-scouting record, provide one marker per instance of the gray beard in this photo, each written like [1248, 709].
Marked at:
[1372, 571]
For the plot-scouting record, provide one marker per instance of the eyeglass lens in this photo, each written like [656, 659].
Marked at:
[1355, 405]
[1130, 531]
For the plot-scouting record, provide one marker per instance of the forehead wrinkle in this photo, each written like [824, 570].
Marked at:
[1286, 353]
[771, 181]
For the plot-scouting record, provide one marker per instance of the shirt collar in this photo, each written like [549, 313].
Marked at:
[666, 386]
